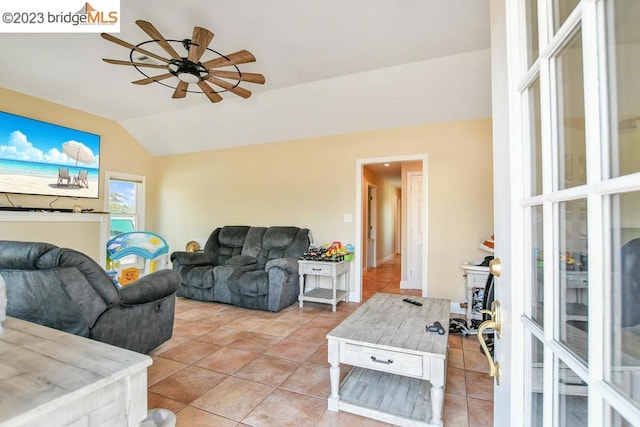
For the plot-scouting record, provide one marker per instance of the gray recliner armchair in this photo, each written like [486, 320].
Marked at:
[64, 289]
[252, 267]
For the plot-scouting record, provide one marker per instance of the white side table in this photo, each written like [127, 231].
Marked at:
[475, 281]
[327, 269]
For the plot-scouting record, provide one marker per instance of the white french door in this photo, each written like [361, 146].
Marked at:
[567, 188]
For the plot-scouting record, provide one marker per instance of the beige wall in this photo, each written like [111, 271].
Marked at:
[311, 183]
[118, 152]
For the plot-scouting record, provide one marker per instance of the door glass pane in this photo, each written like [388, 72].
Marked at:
[571, 393]
[561, 11]
[624, 369]
[536, 376]
[618, 420]
[625, 51]
[571, 134]
[537, 266]
[532, 31]
[572, 276]
[535, 138]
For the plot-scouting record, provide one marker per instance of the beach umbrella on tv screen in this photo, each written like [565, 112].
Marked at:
[78, 152]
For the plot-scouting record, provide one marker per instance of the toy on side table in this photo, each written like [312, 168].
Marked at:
[333, 252]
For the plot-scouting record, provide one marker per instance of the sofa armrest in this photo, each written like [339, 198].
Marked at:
[289, 265]
[241, 261]
[192, 258]
[151, 287]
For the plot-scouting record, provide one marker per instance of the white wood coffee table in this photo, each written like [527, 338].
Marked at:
[54, 379]
[400, 367]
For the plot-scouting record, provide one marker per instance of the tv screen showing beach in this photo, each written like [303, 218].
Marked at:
[46, 159]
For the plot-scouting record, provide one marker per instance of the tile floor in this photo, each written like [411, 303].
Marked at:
[229, 366]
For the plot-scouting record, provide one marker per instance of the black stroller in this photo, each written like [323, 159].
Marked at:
[470, 327]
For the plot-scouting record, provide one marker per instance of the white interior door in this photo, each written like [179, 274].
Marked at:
[372, 226]
[567, 190]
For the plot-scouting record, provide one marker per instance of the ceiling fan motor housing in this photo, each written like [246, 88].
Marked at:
[187, 71]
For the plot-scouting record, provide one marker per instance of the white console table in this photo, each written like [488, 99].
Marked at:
[328, 269]
[52, 378]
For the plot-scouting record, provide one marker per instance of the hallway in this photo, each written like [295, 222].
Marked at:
[385, 278]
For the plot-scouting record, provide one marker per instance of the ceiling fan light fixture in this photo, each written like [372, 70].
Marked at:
[187, 71]
[188, 77]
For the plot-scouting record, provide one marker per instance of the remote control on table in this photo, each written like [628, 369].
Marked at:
[410, 301]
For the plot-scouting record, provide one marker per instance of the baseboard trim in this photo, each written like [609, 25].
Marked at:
[405, 284]
[385, 259]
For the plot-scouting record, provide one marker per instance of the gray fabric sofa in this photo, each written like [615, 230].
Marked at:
[252, 267]
[64, 289]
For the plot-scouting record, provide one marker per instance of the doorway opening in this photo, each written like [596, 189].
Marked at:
[391, 223]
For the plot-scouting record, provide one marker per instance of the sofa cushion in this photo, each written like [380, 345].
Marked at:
[233, 236]
[253, 243]
[95, 275]
[199, 277]
[251, 284]
[22, 255]
[241, 260]
[279, 237]
[275, 242]
[90, 302]
[39, 296]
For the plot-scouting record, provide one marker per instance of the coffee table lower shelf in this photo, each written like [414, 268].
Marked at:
[394, 399]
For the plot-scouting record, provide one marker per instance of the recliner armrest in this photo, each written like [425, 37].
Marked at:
[151, 287]
[289, 265]
[192, 258]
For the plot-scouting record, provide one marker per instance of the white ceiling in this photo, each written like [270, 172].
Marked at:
[302, 48]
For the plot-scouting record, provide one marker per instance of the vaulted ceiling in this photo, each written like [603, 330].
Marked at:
[331, 67]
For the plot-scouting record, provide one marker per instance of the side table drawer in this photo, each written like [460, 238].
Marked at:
[319, 269]
[479, 280]
[577, 280]
[383, 360]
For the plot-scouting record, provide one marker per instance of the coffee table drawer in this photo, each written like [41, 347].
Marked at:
[383, 360]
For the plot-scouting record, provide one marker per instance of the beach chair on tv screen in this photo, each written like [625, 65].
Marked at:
[81, 180]
[63, 175]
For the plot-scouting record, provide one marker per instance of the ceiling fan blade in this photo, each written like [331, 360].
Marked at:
[153, 79]
[245, 77]
[208, 90]
[181, 90]
[148, 28]
[136, 64]
[116, 40]
[240, 57]
[230, 87]
[200, 41]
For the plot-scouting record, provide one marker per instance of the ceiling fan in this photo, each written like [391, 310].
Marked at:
[189, 64]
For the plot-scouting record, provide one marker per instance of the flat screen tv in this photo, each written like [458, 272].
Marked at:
[47, 159]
